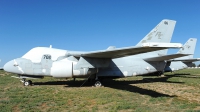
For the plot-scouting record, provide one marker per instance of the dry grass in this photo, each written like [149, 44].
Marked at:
[175, 92]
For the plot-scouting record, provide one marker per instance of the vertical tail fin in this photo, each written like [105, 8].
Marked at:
[161, 33]
[188, 48]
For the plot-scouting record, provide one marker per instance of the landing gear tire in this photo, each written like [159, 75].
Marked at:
[97, 84]
[27, 83]
[30, 82]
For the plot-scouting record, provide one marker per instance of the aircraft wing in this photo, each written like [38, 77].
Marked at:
[127, 51]
[187, 60]
[165, 57]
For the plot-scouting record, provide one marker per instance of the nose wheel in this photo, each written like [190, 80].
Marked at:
[26, 83]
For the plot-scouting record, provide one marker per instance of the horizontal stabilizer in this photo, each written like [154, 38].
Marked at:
[154, 44]
[127, 51]
[187, 60]
[165, 57]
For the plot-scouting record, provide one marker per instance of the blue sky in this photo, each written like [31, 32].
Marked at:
[87, 25]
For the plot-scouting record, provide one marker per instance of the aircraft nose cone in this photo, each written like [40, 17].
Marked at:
[11, 67]
[8, 67]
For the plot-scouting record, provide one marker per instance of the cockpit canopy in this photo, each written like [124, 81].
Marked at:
[36, 53]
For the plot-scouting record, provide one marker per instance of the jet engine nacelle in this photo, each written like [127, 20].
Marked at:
[61, 69]
[64, 69]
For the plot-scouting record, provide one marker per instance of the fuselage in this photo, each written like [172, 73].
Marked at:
[42, 61]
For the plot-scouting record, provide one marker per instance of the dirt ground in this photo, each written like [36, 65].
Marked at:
[184, 92]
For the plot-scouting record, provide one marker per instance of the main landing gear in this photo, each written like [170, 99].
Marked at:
[26, 83]
[97, 83]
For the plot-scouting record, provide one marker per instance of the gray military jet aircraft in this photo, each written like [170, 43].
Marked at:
[96, 65]
[186, 61]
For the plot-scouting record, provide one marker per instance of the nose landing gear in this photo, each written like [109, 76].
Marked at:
[26, 83]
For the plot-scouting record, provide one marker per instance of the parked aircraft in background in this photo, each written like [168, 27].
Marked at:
[186, 61]
[96, 65]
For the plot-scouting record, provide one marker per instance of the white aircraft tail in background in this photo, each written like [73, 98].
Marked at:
[185, 61]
